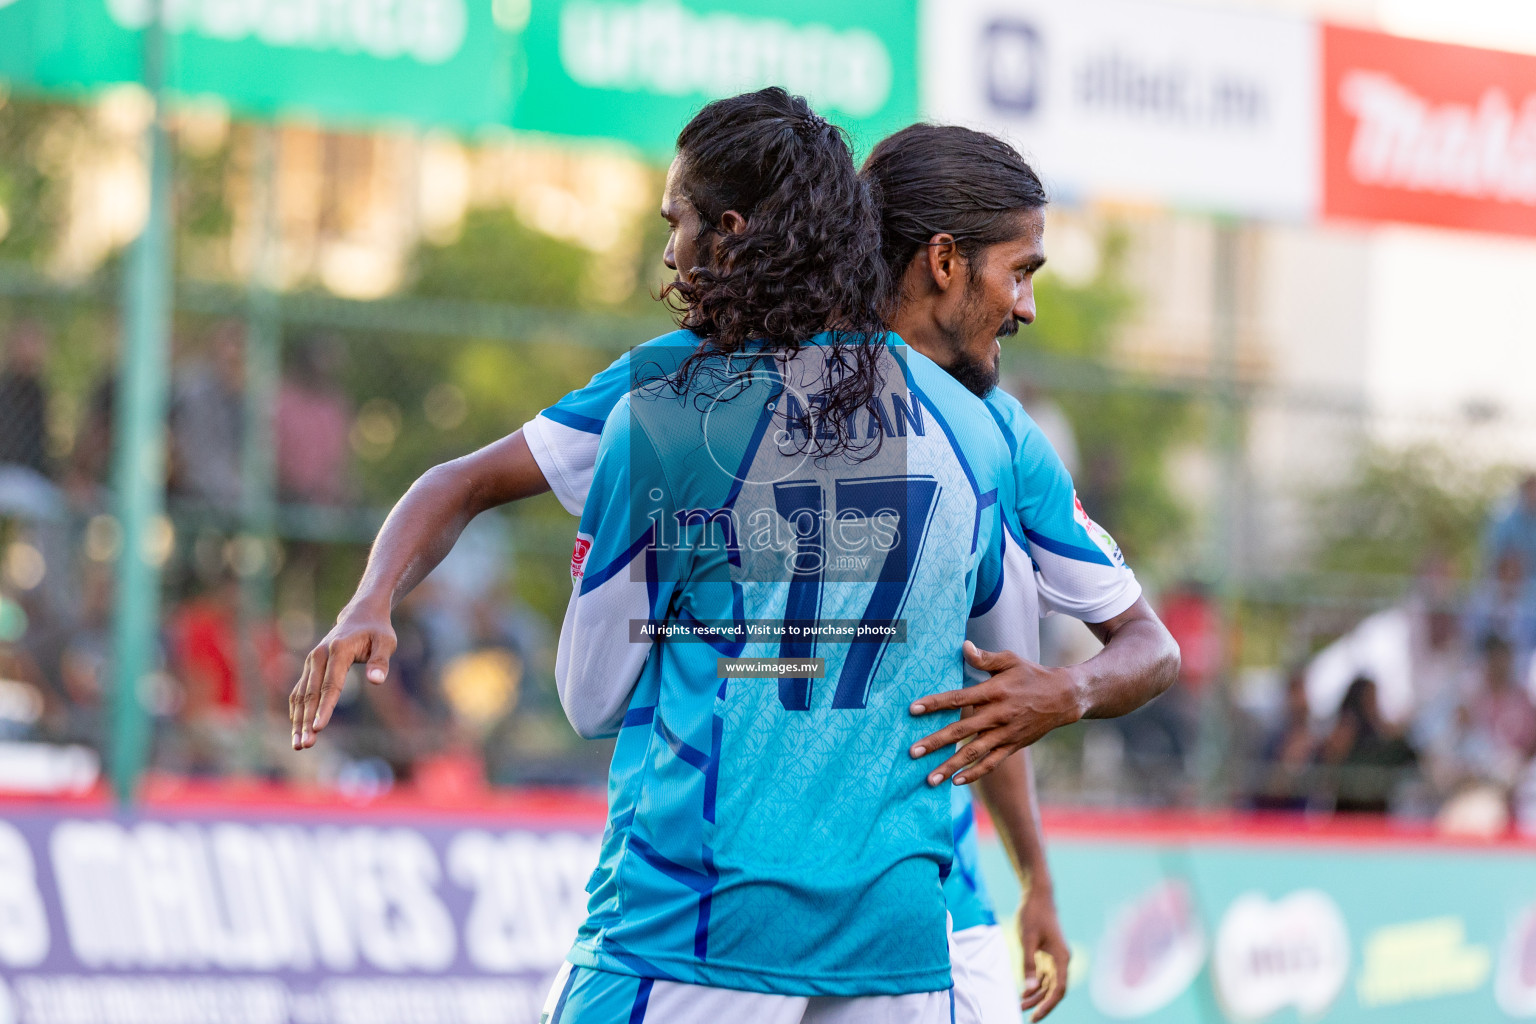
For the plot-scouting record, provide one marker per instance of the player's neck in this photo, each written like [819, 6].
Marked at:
[913, 322]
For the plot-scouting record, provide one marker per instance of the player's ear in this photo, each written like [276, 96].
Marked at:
[732, 223]
[943, 261]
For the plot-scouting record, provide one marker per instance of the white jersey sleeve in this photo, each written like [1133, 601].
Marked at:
[613, 581]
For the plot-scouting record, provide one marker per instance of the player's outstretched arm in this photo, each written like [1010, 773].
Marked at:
[1022, 701]
[420, 530]
[1009, 793]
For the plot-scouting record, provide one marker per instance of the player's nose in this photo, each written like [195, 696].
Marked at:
[1024, 305]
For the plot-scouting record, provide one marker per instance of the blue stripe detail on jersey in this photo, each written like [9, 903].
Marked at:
[702, 883]
[701, 930]
[565, 993]
[1002, 424]
[1057, 547]
[711, 636]
[689, 755]
[965, 821]
[984, 605]
[643, 999]
[712, 772]
[621, 822]
[640, 965]
[698, 881]
[638, 716]
[574, 420]
[954, 444]
[706, 904]
[592, 580]
[951, 1004]
[963, 824]
[987, 500]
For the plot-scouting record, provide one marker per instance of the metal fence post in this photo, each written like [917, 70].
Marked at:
[140, 431]
[1227, 559]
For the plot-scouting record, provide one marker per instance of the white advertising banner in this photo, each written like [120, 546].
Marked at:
[1146, 102]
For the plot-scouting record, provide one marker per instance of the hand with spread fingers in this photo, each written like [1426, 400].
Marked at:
[1046, 954]
[1023, 700]
[1020, 703]
[361, 634]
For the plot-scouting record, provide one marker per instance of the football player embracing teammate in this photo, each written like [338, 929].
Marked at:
[961, 233]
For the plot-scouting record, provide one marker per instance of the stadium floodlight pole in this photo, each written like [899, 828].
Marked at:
[140, 430]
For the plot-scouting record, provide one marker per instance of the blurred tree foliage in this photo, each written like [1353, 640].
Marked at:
[1402, 507]
[32, 192]
[498, 258]
[1124, 434]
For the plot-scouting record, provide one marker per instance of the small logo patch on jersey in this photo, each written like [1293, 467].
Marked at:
[1096, 533]
[579, 556]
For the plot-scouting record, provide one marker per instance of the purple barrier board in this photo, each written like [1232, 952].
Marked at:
[242, 916]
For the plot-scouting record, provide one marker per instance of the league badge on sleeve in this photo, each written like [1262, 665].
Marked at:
[579, 554]
[1096, 533]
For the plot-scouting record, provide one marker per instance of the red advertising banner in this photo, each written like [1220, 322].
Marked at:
[1428, 133]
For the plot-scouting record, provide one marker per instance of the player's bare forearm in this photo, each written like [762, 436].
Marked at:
[1023, 700]
[1139, 661]
[420, 530]
[427, 520]
[1009, 793]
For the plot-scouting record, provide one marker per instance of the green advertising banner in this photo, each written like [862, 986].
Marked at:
[637, 71]
[1247, 929]
[632, 72]
[342, 61]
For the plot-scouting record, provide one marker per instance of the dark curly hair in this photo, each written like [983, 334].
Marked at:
[808, 260]
[935, 179]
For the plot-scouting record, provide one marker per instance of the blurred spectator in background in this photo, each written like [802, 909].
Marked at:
[208, 423]
[493, 653]
[1193, 619]
[1438, 652]
[310, 425]
[219, 686]
[1500, 607]
[91, 460]
[1512, 527]
[1160, 736]
[23, 687]
[1366, 755]
[23, 401]
[1500, 722]
[85, 664]
[1285, 757]
[205, 659]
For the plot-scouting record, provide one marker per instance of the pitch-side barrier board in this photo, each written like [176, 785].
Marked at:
[263, 907]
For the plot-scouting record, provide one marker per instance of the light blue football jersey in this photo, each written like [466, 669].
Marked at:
[773, 834]
[1079, 570]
